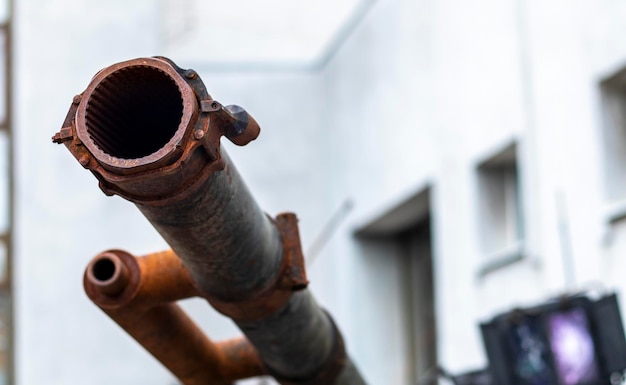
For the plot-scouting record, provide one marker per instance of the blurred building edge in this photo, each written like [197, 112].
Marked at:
[6, 196]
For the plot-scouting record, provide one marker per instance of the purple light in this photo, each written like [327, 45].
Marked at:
[572, 345]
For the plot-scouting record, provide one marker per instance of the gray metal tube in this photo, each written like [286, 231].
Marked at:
[228, 244]
[297, 340]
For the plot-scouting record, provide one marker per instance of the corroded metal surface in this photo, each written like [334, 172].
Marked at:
[150, 132]
[139, 294]
[289, 277]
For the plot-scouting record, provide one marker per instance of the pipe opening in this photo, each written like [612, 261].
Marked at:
[103, 270]
[134, 112]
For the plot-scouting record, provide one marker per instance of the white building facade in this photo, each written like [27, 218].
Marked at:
[480, 145]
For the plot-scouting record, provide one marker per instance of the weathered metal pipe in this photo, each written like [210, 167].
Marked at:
[139, 295]
[150, 132]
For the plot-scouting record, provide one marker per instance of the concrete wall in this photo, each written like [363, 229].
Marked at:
[419, 94]
[422, 93]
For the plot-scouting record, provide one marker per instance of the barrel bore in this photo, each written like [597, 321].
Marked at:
[108, 274]
[134, 112]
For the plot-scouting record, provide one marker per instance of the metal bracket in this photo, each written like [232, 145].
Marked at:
[290, 278]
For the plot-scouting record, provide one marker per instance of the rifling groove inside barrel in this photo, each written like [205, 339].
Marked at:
[134, 112]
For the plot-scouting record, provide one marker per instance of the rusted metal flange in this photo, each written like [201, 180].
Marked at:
[148, 129]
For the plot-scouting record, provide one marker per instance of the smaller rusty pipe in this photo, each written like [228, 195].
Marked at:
[138, 294]
[108, 274]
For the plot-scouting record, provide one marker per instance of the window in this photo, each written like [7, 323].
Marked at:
[418, 282]
[614, 135]
[500, 216]
[404, 231]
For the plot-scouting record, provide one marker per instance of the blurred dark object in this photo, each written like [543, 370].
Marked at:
[569, 341]
[476, 377]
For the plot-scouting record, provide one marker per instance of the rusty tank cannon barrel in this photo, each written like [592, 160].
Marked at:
[149, 131]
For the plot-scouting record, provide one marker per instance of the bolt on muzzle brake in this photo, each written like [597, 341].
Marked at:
[149, 131]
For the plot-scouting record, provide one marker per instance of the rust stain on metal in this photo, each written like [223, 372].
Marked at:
[135, 121]
[139, 295]
[293, 271]
[64, 135]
